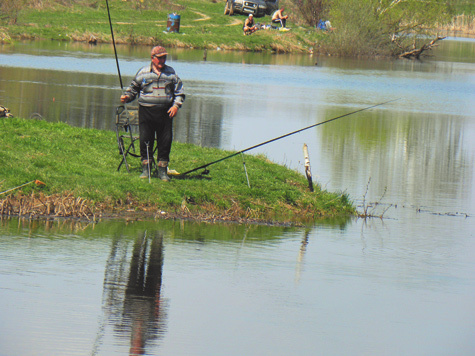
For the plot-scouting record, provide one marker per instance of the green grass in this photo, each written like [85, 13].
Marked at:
[202, 25]
[83, 162]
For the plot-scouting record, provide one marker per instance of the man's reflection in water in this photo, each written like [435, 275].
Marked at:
[142, 296]
[132, 304]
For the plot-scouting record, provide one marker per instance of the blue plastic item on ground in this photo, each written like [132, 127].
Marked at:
[321, 25]
[173, 23]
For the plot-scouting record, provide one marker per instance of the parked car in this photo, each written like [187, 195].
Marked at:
[258, 8]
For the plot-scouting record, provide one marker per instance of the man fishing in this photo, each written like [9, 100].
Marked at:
[160, 95]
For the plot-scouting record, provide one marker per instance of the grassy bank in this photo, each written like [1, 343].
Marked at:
[79, 169]
[203, 25]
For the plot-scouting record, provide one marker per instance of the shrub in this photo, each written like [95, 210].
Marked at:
[380, 28]
[309, 11]
[9, 10]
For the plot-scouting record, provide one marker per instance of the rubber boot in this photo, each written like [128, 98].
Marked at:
[145, 170]
[162, 174]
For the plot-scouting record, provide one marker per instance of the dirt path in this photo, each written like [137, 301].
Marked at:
[203, 18]
[235, 22]
[206, 17]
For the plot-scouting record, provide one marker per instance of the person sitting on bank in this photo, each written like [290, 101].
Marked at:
[279, 17]
[249, 26]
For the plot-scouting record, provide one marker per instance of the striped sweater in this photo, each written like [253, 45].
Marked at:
[162, 91]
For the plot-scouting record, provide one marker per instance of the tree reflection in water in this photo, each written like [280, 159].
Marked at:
[132, 303]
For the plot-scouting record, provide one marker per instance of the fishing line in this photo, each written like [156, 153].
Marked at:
[113, 42]
[148, 160]
[286, 135]
[245, 170]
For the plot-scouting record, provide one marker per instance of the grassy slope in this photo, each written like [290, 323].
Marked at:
[203, 25]
[84, 162]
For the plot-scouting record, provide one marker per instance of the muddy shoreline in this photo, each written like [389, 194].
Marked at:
[42, 207]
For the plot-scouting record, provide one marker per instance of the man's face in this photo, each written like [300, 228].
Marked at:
[159, 62]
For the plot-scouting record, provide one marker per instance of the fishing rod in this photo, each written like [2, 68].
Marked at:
[286, 135]
[36, 181]
[120, 80]
[113, 42]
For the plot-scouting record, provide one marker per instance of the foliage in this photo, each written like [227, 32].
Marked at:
[83, 162]
[358, 33]
[458, 7]
[310, 11]
[381, 28]
[9, 10]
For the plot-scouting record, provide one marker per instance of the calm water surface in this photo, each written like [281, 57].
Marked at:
[171, 288]
[403, 285]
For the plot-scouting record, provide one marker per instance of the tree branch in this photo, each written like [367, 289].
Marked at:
[391, 5]
[417, 52]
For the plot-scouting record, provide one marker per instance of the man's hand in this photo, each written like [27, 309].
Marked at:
[172, 111]
[123, 98]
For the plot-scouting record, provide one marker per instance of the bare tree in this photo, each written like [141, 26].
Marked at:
[310, 11]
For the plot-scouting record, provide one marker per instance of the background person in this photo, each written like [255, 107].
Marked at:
[160, 95]
[249, 26]
[279, 17]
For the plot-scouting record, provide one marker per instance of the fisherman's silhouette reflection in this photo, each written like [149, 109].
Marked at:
[142, 316]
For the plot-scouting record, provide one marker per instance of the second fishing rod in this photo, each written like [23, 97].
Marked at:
[205, 166]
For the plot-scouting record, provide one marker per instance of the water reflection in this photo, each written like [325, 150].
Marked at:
[417, 155]
[418, 146]
[72, 288]
[90, 100]
[450, 49]
[200, 122]
[85, 100]
[132, 301]
[301, 255]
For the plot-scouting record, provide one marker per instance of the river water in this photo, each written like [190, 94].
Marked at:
[401, 285]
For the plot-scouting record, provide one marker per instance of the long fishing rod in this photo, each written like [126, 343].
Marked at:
[286, 135]
[113, 42]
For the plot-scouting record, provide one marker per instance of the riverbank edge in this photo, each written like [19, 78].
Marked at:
[308, 47]
[6, 38]
[20, 206]
[91, 189]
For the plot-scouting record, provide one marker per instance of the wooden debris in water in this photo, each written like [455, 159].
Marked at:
[308, 172]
